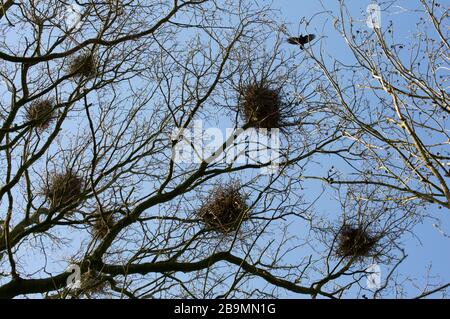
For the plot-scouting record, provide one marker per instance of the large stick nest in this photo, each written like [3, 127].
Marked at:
[102, 225]
[356, 241]
[92, 283]
[83, 66]
[261, 106]
[63, 188]
[225, 208]
[40, 114]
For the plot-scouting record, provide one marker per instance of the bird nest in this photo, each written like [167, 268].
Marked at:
[92, 283]
[40, 114]
[355, 241]
[261, 106]
[63, 188]
[102, 225]
[225, 208]
[83, 66]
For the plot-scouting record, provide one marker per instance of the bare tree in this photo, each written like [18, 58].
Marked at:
[393, 96]
[396, 102]
[93, 93]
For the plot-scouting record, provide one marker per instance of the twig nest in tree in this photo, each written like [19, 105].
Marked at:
[225, 208]
[355, 241]
[102, 224]
[260, 106]
[83, 66]
[40, 113]
[63, 188]
[92, 283]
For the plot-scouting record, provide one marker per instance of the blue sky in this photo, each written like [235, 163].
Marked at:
[432, 247]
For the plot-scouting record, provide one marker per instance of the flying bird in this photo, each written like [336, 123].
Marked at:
[301, 40]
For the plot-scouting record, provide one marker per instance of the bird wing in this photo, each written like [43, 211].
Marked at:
[311, 37]
[294, 40]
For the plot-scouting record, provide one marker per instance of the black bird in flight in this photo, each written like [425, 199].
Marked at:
[301, 40]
